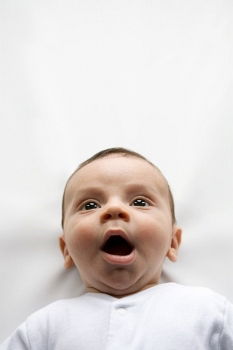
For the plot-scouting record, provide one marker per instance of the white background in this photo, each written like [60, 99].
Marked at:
[78, 76]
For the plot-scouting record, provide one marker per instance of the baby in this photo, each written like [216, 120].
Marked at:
[119, 226]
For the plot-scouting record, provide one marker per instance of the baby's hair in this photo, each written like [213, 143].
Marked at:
[124, 152]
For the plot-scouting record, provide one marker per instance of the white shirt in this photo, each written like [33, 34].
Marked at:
[164, 317]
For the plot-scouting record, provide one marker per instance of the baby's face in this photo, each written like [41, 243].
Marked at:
[118, 226]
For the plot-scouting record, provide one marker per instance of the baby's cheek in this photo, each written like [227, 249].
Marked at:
[154, 235]
[82, 236]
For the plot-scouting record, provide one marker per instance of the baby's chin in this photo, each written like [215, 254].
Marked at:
[120, 292]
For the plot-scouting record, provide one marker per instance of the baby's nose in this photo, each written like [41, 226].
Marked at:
[115, 212]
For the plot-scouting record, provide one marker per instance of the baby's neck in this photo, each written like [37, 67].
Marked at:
[94, 290]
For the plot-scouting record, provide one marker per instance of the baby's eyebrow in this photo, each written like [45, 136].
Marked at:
[129, 188]
[86, 191]
[143, 188]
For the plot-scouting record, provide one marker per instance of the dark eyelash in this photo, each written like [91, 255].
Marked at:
[82, 206]
[147, 201]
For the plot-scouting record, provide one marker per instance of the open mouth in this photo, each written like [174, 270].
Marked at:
[117, 245]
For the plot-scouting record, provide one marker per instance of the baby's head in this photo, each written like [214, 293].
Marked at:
[118, 222]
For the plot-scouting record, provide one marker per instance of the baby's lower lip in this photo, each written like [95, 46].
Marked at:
[119, 259]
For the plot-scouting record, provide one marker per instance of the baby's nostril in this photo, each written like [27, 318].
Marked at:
[113, 213]
[117, 245]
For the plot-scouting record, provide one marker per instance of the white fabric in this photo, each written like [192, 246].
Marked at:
[77, 76]
[167, 316]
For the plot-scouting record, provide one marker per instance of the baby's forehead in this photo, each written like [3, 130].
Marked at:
[132, 170]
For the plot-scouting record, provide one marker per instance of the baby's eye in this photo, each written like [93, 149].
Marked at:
[89, 205]
[139, 202]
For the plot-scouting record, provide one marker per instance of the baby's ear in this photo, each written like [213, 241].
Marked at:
[68, 261]
[175, 243]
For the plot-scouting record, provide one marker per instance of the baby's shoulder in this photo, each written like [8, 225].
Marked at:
[56, 310]
[192, 298]
[194, 291]
[65, 309]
